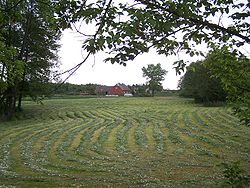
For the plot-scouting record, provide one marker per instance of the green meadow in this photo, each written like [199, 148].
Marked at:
[120, 142]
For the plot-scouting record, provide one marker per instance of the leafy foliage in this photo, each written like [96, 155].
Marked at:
[28, 43]
[197, 83]
[234, 73]
[140, 90]
[234, 175]
[128, 29]
[155, 75]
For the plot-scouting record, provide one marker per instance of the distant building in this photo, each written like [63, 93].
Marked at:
[125, 89]
[102, 90]
[118, 89]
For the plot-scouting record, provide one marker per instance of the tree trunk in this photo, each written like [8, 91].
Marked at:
[153, 92]
[21, 87]
[24, 54]
[19, 106]
[8, 102]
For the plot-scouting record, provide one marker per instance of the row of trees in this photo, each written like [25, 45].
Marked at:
[28, 47]
[72, 89]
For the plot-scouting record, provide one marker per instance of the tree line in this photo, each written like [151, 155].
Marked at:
[72, 89]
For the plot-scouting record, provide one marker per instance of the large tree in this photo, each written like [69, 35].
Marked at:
[154, 75]
[28, 42]
[198, 83]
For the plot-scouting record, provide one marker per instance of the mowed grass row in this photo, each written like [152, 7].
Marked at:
[102, 142]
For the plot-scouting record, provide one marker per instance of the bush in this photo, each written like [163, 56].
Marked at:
[234, 176]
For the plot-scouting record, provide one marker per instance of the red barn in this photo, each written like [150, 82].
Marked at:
[118, 89]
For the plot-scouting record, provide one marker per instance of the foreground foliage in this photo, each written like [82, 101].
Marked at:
[234, 73]
[234, 175]
[129, 28]
[152, 142]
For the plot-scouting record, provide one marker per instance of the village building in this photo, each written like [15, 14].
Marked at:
[117, 90]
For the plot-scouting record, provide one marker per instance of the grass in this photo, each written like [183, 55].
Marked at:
[120, 142]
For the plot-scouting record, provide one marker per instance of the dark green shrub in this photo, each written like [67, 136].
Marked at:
[234, 175]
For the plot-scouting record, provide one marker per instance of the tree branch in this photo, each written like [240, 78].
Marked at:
[14, 6]
[75, 68]
[212, 26]
[81, 33]
[223, 29]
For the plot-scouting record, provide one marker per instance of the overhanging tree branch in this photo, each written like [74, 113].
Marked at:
[213, 26]
[75, 68]
[12, 7]
[196, 21]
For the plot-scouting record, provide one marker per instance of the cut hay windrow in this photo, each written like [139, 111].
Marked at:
[120, 142]
[122, 137]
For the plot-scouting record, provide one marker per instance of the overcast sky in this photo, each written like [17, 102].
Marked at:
[97, 72]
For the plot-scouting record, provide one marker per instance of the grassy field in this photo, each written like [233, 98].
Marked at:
[120, 142]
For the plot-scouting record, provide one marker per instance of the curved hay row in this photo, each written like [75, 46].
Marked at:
[135, 145]
[33, 152]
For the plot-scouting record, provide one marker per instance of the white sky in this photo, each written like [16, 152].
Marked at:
[97, 72]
